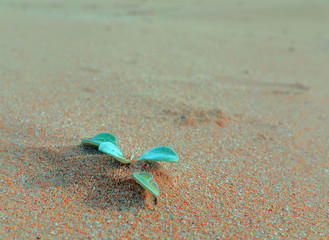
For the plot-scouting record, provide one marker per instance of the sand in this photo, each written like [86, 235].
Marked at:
[239, 89]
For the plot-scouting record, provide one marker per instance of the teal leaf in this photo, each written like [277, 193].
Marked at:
[98, 139]
[144, 180]
[163, 153]
[112, 149]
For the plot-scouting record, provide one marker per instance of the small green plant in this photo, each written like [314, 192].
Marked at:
[107, 143]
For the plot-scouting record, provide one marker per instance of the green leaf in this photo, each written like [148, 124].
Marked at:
[144, 180]
[114, 151]
[98, 139]
[163, 153]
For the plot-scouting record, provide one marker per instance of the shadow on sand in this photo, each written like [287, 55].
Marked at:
[105, 181]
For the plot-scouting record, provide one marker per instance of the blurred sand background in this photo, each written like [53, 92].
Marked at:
[238, 88]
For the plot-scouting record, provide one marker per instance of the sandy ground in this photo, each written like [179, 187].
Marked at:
[238, 88]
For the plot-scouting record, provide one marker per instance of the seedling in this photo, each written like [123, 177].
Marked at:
[107, 143]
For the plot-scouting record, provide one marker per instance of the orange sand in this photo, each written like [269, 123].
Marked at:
[238, 88]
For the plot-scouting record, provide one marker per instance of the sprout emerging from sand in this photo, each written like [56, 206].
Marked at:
[107, 143]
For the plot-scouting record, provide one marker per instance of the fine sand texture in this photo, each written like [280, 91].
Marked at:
[239, 89]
